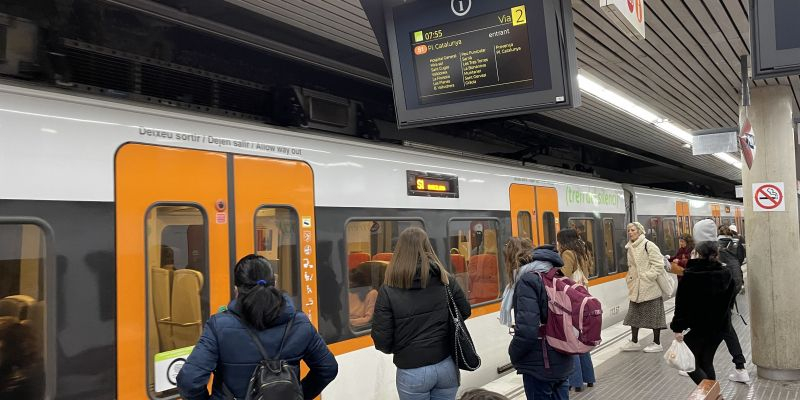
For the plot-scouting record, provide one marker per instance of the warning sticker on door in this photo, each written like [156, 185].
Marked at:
[167, 366]
[222, 218]
[768, 196]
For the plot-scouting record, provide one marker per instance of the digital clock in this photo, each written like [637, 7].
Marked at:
[431, 185]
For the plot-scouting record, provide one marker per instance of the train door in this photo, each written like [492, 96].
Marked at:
[172, 260]
[523, 212]
[716, 213]
[274, 207]
[547, 213]
[682, 213]
[183, 217]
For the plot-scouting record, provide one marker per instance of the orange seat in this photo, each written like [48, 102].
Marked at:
[354, 259]
[383, 257]
[458, 263]
[483, 278]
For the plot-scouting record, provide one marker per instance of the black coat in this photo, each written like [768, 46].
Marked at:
[414, 324]
[227, 350]
[530, 312]
[704, 299]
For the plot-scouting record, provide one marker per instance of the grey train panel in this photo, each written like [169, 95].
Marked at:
[85, 305]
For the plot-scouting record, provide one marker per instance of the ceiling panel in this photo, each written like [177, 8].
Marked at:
[687, 69]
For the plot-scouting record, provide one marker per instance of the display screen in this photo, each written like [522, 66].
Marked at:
[488, 53]
[431, 185]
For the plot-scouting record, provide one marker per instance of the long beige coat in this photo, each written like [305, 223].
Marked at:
[644, 266]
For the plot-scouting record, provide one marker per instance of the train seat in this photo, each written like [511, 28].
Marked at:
[383, 257]
[354, 259]
[186, 311]
[458, 262]
[16, 306]
[161, 289]
[483, 278]
[365, 280]
[490, 241]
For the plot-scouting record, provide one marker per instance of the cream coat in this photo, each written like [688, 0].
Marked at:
[644, 266]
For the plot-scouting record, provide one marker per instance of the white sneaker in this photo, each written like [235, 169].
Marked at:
[740, 375]
[631, 346]
[653, 348]
[683, 373]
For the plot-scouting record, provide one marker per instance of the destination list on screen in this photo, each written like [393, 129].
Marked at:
[486, 54]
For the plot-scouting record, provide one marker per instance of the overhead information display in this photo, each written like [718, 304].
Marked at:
[461, 60]
[489, 53]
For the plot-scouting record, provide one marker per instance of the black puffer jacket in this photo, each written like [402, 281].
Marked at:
[413, 324]
[530, 312]
[704, 299]
[729, 257]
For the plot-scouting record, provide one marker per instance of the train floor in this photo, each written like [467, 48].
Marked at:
[638, 375]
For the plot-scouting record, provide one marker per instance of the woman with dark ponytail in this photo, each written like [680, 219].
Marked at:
[226, 349]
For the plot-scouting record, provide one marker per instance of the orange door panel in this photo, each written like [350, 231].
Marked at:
[523, 200]
[182, 185]
[269, 190]
[682, 212]
[547, 214]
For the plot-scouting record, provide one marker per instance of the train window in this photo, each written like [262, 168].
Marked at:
[370, 245]
[277, 239]
[608, 245]
[475, 243]
[670, 237]
[651, 230]
[22, 304]
[177, 289]
[524, 224]
[549, 227]
[585, 229]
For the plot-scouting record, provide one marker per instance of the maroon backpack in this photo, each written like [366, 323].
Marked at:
[575, 318]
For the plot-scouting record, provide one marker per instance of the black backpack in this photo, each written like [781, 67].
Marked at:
[728, 256]
[273, 378]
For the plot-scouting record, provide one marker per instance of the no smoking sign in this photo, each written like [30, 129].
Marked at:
[768, 197]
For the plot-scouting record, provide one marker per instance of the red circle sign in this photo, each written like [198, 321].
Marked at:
[768, 197]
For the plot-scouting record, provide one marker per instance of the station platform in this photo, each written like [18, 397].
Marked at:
[642, 376]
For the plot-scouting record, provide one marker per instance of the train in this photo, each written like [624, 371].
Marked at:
[120, 224]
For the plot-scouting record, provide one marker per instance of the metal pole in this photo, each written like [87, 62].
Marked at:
[745, 82]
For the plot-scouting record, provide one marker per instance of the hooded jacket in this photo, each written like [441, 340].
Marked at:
[644, 265]
[226, 349]
[704, 299]
[729, 257]
[530, 312]
[414, 324]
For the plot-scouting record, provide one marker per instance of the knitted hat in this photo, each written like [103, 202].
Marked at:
[733, 228]
[705, 231]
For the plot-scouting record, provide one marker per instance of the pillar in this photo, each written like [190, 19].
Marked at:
[773, 239]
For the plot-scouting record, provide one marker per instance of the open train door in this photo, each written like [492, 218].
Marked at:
[172, 261]
[547, 214]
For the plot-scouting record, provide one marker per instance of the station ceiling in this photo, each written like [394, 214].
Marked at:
[687, 69]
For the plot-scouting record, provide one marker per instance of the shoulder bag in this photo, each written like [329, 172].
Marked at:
[463, 353]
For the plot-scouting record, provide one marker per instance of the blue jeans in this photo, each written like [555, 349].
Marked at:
[584, 371]
[545, 390]
[431, 382]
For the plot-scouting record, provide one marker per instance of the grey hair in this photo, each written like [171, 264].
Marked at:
[639, 227]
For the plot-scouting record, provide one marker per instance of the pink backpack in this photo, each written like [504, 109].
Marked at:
[575, 318]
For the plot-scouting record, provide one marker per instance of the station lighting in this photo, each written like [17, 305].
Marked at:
[595, 89]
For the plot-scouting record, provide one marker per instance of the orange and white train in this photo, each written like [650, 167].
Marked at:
[119, 225]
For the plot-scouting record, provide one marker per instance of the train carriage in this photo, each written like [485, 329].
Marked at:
[120, 225]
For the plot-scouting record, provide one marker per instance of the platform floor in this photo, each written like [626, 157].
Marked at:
[642, 376]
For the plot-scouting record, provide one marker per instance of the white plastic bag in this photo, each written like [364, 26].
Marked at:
[680, 357]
